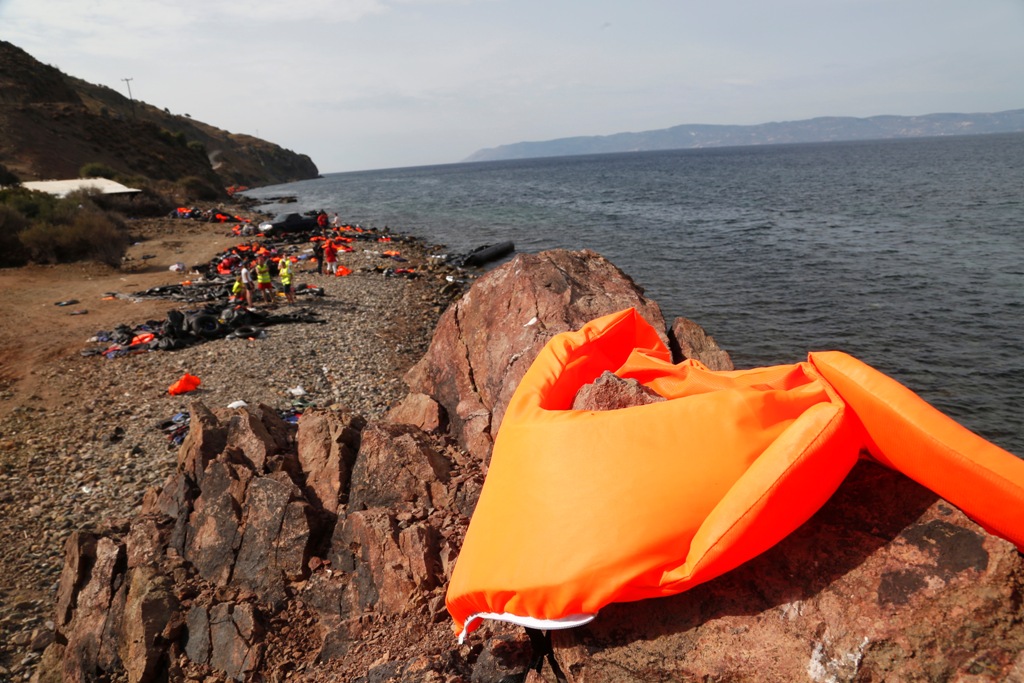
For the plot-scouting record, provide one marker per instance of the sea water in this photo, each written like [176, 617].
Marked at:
[906, 253]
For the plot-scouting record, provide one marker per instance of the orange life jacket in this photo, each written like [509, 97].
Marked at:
[184, 385]
[584, 508]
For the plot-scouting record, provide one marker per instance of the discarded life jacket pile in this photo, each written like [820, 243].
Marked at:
[205, 291]
[190, 292]
[187, 212]
[210, 215]
[185, 328]
[584, 508]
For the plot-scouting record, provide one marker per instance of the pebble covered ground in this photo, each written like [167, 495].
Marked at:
[88, 463]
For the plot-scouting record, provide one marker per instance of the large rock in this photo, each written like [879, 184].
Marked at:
[399, 469]
[886, 582]
[112, 615]
[205, 440]
[328, 441]
[390, 564]
[148, 623]
[79, 558]
[215, 526]
[90, 605]
[197, 623]
[173, 501]
[611, 392]
[176, 592]
[485, 342]
[276, 538]
[421, 411]
[690, 340]
[236, 646]
[258, 434]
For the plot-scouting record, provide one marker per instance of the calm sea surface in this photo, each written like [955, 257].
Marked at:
[906, 254]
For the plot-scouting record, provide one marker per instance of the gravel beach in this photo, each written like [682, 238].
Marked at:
[83, 437]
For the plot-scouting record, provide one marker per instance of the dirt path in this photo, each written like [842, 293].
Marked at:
[34, 331]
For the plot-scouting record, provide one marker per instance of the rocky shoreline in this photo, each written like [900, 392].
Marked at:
[89, 464]
[267, 551]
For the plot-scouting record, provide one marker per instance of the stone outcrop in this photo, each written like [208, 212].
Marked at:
[691, 341]
[237, 538]
[421, 411]
[485, 342]
[321, 552]
[611, 392]
[328, 441]
[886, 582]
[399, 469]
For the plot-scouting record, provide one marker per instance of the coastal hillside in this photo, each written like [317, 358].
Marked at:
[822, 129]
[53, 124]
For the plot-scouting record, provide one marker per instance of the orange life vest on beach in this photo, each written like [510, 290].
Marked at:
[184, 385]
[584, 508]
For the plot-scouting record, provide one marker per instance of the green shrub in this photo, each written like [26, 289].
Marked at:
[90, 235]
[40, 240]
[177, 138]
[197, 147]
[30, 204]
[98, 237]
[94, 169]
[12, 252]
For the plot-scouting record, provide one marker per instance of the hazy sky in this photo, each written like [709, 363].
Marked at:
[361, 84]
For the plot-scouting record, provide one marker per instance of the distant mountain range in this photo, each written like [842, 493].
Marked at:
[823, 129]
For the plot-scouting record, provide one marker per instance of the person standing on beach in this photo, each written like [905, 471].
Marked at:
[284, 271]
[263, 283]
[238, 290]
[318, 253]
[331, 257]
[246, 277]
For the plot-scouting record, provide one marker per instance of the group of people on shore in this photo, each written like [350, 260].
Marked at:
[255, 278]
[327, 244]
[254, 266]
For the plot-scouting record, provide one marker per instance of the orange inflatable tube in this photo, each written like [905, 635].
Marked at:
[581, 509]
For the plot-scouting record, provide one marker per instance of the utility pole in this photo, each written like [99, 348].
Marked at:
[129, 84]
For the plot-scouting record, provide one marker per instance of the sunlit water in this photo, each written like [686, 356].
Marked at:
[906, 254]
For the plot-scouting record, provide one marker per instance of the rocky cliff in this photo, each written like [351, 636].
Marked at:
[322, 551]
[52, 124]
